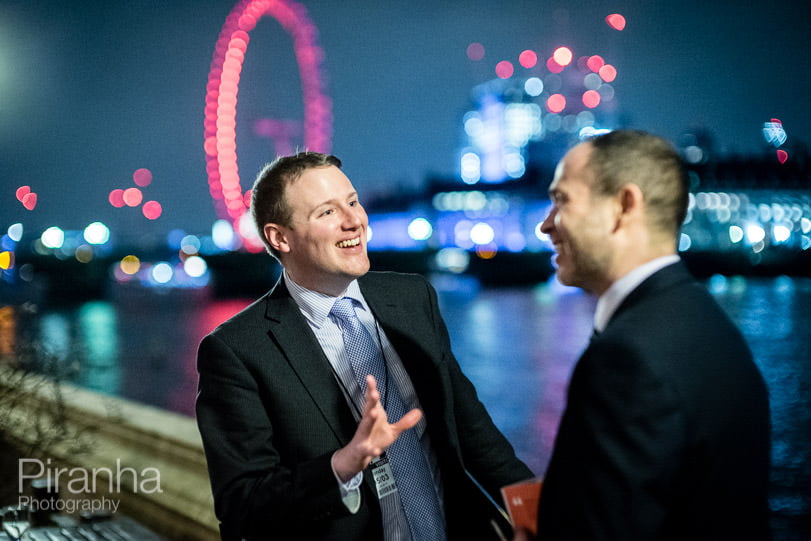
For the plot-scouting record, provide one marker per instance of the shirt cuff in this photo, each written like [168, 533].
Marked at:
[350, 491]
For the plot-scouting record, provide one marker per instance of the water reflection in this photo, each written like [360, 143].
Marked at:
[517, 345]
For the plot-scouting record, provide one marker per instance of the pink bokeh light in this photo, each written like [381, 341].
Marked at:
[30, 200]
[528, 59]
[152, 210]
[475, 51]
[608, 73]
[556, 103]
[21, 192]
[591, 98]
[116, 198]
[616, 21]
[142, 177]
[595, 63]
[132, 197]
[505, 69]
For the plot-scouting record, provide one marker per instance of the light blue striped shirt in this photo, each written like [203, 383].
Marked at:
[316, 308]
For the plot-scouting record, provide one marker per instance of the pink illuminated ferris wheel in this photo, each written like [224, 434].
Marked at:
[230, 200]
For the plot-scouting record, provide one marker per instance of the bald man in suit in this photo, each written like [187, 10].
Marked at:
[666, 432]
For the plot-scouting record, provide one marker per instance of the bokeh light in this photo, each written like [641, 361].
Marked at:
[162, 273]
[616, 21]
[505, 69]
[685, 242]
[96, 233]
[420, 229]
[482, 233]
[591, 99]
[553, 66]
[84, 254]
[453, 260]
[142, 177]
[735, 234]
[190, 245]
[116, 198]
[475, 51]
[6, 260]
[21, 192]
[223, 235]
[595, 62]
[152, 210]
[774, 132]
[30, 200]
[15, 232]
[781, 233]
[132, 197]
[26, 197]
[528, 59]
[195, 266]
[608, 73]
[130, 265]
[533, 86]
[563, 56]
[556, 103]
[471, 168]
[53, 237]
[755, 233]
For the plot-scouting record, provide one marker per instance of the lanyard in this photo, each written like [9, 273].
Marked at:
[383, 386]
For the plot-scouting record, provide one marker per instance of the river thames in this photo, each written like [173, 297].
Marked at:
[517, 345]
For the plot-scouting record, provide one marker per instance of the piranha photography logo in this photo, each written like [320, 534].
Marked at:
[79, 490]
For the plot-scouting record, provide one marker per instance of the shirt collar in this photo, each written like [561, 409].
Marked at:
[609, 301]
[316, 306]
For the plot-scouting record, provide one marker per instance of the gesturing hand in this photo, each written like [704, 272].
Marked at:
[373, 435]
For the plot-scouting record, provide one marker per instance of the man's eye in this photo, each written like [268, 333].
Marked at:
[354, 203]
[327, 212]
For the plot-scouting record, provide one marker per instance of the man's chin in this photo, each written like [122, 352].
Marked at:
[358, 268]
[564, 276]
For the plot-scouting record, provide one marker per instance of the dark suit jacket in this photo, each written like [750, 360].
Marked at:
[666, 431]
[271, 414]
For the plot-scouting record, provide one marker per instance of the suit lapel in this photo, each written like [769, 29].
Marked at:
[288, 328]
[664, 278]
[429, 380]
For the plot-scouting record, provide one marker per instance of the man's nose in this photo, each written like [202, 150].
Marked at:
[549, 222]
[353, 217]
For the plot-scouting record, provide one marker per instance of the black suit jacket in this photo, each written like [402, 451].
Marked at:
[666, 431]
[271, 414]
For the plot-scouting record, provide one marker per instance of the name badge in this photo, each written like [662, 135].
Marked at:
[383, 476]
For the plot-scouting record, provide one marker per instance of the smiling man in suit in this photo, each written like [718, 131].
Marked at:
[303, 440]
[666, 433]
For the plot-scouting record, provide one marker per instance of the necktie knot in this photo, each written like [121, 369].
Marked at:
[344, 309]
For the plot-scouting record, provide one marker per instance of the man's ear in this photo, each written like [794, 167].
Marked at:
[629, 203]
[275, 235]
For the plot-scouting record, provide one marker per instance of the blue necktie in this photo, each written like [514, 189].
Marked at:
[408, 463]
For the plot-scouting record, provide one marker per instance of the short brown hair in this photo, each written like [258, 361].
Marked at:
[268, 201]
[635, 157]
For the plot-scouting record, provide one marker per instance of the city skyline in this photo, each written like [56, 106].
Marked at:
[93, 94]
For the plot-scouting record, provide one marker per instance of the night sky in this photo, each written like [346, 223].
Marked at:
[92, 91]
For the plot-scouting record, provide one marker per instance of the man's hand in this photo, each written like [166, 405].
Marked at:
[521, 535]
[373, 435]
